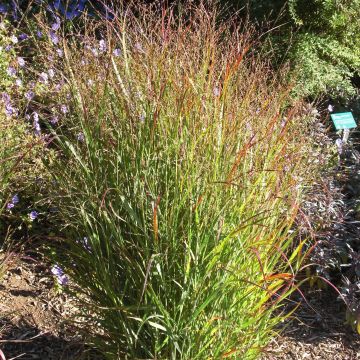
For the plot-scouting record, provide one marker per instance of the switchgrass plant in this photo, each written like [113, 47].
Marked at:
[180, 169]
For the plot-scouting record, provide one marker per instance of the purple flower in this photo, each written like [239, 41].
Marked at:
[339, 144]
[8, 47]
[216, 91]
[36, 116]
[64, 109]
[39, 34]
[138, 46]
[54, 38]
[33, 215]
[102, 45]
[6, 98]
[36, 124]
[51, 73]
[59, 52]
[56, 25]
[117, 52]
[37, 128]
[23, 36]
[44, 77]
[95, 52]
[29, 95]
[54, 120]
[21, 61]
[11, 71]
[10, 110]
[18, 82]
[14, 39]
[80, 136]
[15, 199]
[10, 205]
[57, 271]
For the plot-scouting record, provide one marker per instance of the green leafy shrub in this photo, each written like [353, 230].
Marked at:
[180, 171]
[320, 38]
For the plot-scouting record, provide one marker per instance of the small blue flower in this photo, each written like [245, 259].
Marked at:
[36, 124]
[59, 52]
[10, 110]
[138, 47]
[51, 73]
[21, 61]
[14, 39]
[36, 117]
[15, 199]
[10, 205]
[29, 95]
[102, 45]
[54, 120]
[117, 52]
[58, 272]
[44, 77]
[64, 109]
[33, 215]
[56, 25]
[54, 38]
[216, 91]
[80, 136]
[23, 36]
[6, 98]
[11, 71]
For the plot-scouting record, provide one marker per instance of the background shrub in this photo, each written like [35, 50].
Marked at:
[319, 37]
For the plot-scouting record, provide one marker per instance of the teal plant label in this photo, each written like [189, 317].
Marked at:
[343, 120]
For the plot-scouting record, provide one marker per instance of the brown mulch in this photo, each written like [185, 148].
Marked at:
[316, 331]
[34, 316]
[33, 323]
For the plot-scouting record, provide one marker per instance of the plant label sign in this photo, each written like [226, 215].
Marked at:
[343, 120]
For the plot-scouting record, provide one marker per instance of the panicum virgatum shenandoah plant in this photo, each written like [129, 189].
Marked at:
[180, 170]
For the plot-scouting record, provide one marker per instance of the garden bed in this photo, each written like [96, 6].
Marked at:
[34, 323]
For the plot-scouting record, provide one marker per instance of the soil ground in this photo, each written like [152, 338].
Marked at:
[33, 323]
[317, 332]
[35, 317]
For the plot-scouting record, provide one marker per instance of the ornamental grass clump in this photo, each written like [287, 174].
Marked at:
[180, 169]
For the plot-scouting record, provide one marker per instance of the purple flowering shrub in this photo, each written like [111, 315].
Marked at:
[23, 138]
